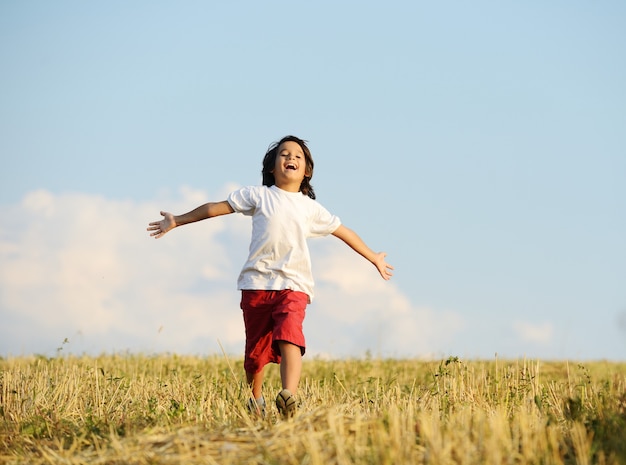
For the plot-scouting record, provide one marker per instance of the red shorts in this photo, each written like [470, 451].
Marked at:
[269, 317]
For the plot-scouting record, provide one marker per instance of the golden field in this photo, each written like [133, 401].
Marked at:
[169, 409]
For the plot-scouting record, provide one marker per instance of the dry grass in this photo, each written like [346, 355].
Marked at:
[167, 409]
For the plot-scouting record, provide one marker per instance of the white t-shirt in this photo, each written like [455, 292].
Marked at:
[281, 223]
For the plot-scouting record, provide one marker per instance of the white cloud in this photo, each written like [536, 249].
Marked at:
[357, 311]
[538, 333]
[83, 267]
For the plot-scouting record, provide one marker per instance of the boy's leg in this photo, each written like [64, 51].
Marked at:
[290, 365]
[255, 381]
[257, 317]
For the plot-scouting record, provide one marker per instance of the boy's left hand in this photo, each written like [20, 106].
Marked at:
[383, 267]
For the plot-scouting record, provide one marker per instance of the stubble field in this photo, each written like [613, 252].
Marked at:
[168, 409]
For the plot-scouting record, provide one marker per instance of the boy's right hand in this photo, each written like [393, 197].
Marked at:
[159, 228]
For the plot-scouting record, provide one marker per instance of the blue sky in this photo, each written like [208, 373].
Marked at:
[481, 145]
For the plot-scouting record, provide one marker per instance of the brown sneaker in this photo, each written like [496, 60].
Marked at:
[286, 403]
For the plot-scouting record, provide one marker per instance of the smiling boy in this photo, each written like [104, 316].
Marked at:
[276, 281]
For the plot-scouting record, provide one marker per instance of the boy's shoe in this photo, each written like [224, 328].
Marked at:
[257, 406]
[286, 403]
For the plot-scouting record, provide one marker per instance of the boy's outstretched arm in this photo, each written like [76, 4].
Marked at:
[356, 243]
[169, 221]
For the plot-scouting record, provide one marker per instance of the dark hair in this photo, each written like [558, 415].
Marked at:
[269, 162]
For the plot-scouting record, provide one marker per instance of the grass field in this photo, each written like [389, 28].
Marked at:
[168, 409]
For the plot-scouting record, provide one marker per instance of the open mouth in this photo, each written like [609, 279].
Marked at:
[291, 166]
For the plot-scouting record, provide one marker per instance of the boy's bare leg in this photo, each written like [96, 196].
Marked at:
[290, 365]
[255, 381]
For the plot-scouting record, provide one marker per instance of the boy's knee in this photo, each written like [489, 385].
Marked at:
[286, 347]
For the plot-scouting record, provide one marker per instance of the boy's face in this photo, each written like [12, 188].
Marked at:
[290, 167]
